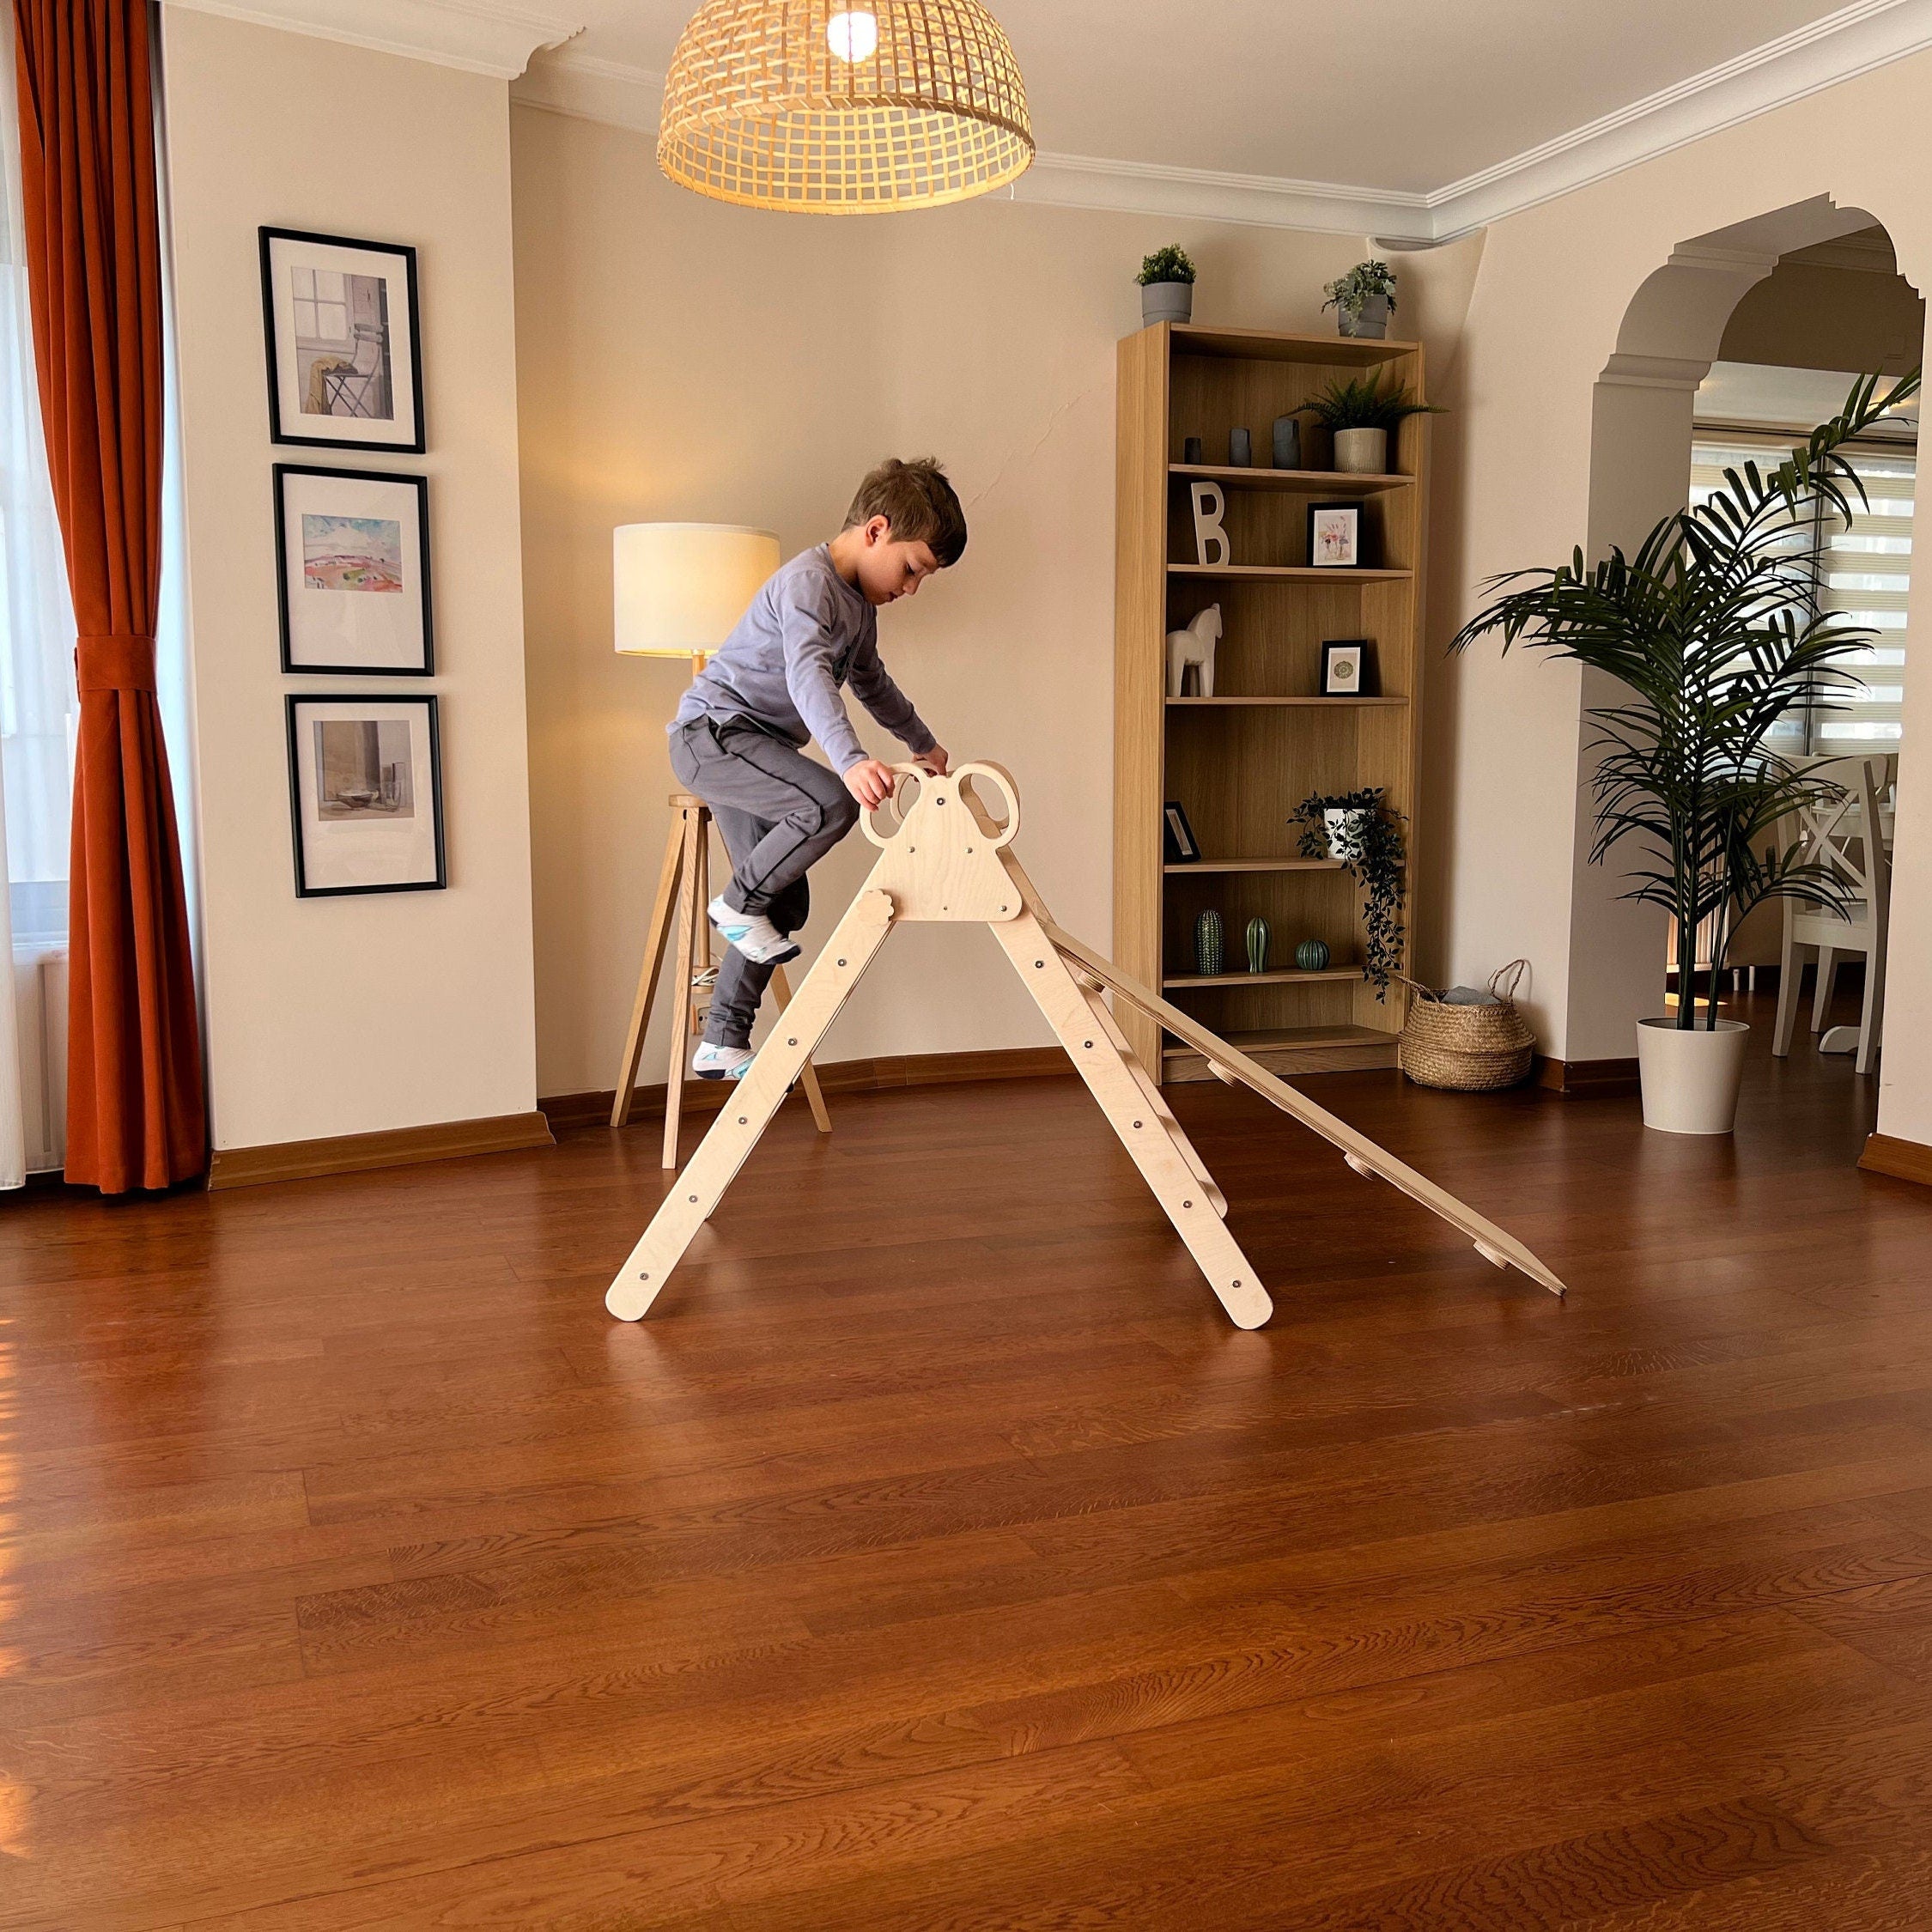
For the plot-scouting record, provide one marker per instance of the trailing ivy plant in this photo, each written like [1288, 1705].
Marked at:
[1713, 630]
[1373, 860]
[1169, 264]
[1356, 404]
[1359, 287]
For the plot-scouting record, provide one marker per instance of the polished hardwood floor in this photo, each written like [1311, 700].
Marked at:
[938, 1557]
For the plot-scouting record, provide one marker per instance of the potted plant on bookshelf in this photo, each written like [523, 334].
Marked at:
[1358, 413]
[1363, 299]
[1167, 286]
[1712, 630]
[1360, 831]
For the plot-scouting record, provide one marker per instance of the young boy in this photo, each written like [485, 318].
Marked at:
[736, 740]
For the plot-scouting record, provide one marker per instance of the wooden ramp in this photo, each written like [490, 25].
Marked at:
[947, 860]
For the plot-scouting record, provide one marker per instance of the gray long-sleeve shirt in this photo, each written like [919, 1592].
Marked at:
[806, 633]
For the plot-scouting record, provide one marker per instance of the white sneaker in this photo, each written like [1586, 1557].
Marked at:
[721, 1063]
[752, 933]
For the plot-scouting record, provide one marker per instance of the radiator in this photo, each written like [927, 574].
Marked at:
[40, 1013]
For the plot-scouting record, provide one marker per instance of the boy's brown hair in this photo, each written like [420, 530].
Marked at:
[919, 503]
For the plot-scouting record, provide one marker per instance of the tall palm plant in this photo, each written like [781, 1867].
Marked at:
[1713, 628]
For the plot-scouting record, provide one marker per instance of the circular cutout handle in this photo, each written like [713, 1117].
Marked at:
[900, 774]
[1002, 782]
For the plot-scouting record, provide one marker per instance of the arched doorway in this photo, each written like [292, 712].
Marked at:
[1645, 409]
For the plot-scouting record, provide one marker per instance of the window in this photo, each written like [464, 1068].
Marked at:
[1863, 573]
[321, 305]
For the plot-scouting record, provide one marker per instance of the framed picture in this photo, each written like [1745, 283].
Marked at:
[1347, 668]
[1177, 835]
[344, 346]
[352, 570]
[365, 790]
[1335, 535]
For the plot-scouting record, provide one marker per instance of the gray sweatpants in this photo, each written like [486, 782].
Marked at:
[780, 812]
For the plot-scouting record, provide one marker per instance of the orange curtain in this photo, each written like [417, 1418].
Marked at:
[135, 1117]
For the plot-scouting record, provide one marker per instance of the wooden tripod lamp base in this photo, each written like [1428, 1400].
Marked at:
[684, 891]
[947, 861]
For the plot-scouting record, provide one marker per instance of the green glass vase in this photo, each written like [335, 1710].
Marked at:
[1258, 936]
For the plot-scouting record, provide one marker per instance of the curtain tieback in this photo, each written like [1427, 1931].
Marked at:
[116, 660]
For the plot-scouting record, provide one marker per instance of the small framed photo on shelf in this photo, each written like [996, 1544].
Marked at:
[1177, 835]
[366, 791]
[1334, 535]
[352, 569]
[344, 345]
[1348, 667]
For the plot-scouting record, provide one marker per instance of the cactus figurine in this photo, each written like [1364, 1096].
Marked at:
[1258, 936]
[1209, 957]
[1311, 956]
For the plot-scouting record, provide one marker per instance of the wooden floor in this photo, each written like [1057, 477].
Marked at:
[937, 1556]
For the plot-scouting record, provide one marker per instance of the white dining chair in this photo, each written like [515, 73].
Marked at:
[1847, 835]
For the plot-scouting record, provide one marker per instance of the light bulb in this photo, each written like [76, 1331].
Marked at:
[852, 36]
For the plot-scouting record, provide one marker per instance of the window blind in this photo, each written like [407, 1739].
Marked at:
[1863, 572]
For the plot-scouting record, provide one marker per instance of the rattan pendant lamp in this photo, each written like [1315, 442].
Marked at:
[843, 106]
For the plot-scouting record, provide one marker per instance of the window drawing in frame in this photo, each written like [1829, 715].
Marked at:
[344, 342]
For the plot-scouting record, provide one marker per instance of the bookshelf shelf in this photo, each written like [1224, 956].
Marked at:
[1240, 763]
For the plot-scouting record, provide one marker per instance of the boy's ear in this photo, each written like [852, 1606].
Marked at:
[879, 530]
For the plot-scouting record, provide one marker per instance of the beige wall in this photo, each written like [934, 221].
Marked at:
[1550, 300]
[341, 1015]
[683, 360]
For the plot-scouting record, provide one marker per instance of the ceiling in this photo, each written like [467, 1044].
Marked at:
[1408, 96]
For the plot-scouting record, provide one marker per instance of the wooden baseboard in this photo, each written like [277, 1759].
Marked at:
[838, 1076]
[1904, 1160]
[1586, 1079]
[354, 1153]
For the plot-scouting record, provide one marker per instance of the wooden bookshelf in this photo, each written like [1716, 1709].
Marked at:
[1241, 761]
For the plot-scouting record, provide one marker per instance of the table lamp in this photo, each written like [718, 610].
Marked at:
[680, 587]
[678, 590]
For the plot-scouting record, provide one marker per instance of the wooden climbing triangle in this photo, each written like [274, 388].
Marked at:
[946, 858]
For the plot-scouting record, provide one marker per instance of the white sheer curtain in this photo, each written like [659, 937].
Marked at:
[39, 709]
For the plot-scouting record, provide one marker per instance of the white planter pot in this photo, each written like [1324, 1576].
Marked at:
[1362, 452]
[1343, 828]
[1690, 1077]
[1167, 301]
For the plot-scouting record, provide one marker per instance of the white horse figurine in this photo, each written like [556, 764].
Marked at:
[1193, 646]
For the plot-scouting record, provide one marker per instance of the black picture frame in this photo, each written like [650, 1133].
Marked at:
[1365, 681]
[1354, 510]
[1177, 835]
[280, 433]
[281, 472]
[293, 703]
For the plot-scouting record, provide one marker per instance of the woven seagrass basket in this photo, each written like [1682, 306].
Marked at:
[1471, 1049]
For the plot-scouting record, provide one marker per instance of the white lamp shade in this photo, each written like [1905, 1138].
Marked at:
[680, 587]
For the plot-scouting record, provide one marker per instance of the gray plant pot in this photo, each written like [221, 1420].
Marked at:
[1167, 301]
[1372, 324]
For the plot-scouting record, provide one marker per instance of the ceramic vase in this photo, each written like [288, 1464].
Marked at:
[1287, 443]
[1210, 954]
[1167, 301]
[1241, 449]
[1258, 936]
[1311, 956]
[1190, 449]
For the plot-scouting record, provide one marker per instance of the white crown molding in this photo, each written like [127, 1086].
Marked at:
[1868, 34]
[1853, 40]
[480, 36]
[590, 90]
